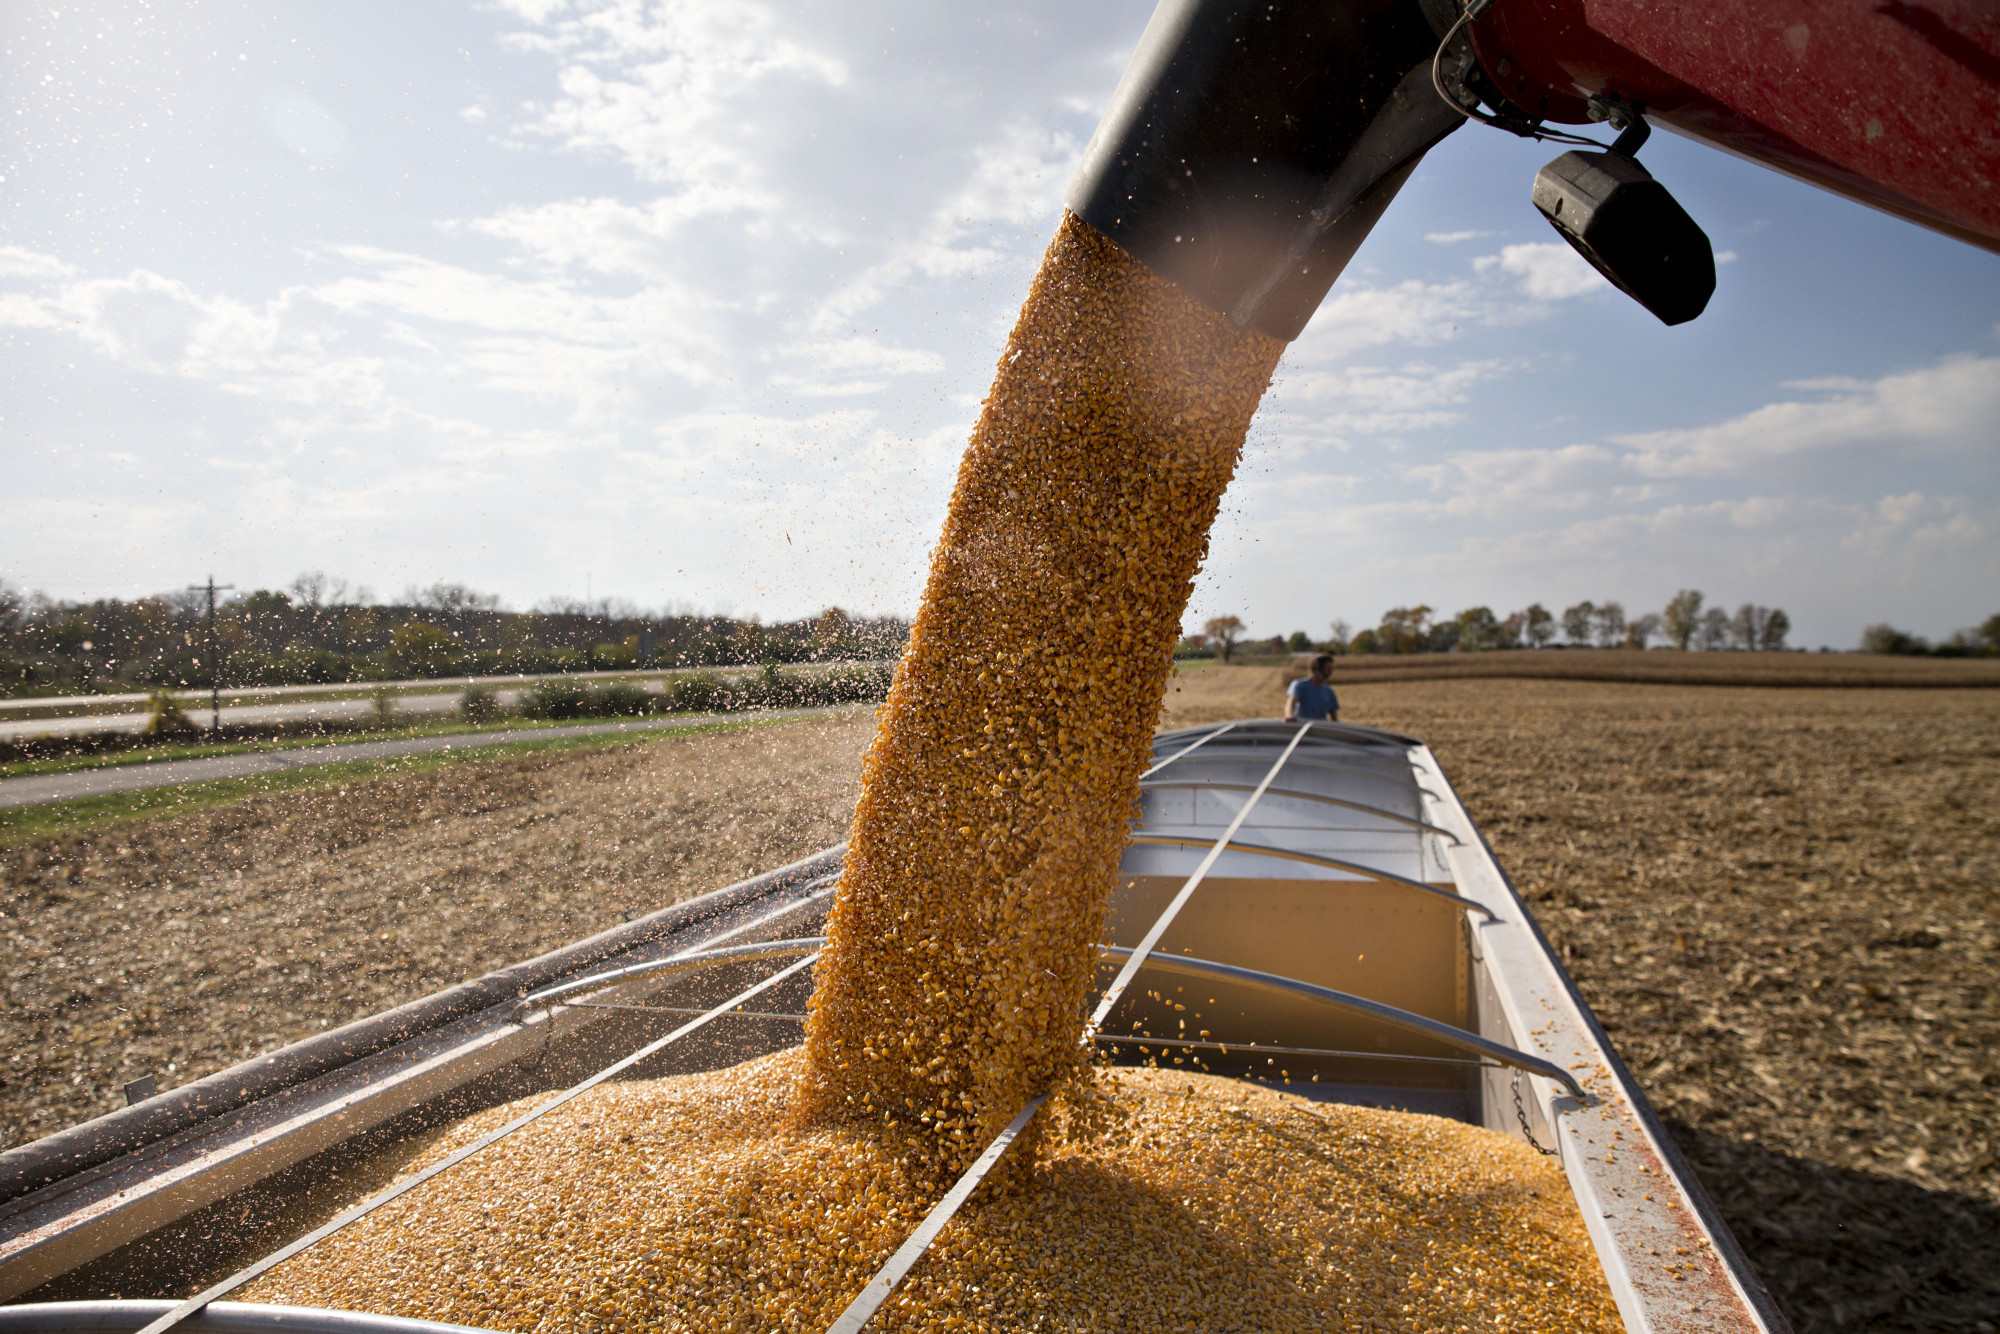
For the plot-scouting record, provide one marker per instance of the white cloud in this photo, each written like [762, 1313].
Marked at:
[1369, 400]
[18, 262]
[867, 353]
[1016, 180]
[1949, 407]
[1453, 238]
[1944, 410]
[1547, 270]
[1914, 524]
[670, 88]
[1356, 316]
[602, 235]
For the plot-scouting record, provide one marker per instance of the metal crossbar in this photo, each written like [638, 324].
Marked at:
[1177, 754]
[820, 888]
[1315, 859]
[1394, 1016]
[1405, 784]
[682, 1009]
[863, 1307]
[683, 962]
[1352, 734]
[369, 1206]
[1166, 918]
[1197, 785]
[1257, 1049]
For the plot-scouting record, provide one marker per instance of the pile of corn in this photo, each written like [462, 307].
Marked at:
[1186, 1202]
[994, 801]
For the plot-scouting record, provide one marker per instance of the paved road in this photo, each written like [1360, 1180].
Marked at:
[302, 711]
[42, 789]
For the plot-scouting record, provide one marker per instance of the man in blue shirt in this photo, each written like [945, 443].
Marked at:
[1313, 698]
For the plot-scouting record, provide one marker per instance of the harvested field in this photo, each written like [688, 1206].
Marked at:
[1784, 905]
[1832, 1073]
[179, 947]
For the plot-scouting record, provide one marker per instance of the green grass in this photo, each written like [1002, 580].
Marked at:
[29, 824]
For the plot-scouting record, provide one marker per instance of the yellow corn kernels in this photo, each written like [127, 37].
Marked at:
[993, 808]
[1181, 1202]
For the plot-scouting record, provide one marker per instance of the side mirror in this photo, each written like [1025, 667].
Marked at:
[1631, 230]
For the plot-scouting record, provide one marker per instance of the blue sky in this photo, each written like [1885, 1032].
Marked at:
[694, 304]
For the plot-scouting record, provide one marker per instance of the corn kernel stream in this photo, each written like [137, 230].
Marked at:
[993, 802]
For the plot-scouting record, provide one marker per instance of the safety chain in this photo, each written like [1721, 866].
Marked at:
[1521, 1114]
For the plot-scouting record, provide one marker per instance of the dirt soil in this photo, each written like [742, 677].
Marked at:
[179, 947]
[1784, 905]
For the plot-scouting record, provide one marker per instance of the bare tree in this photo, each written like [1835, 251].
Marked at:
[1610, 625]
[1682, 617]
[1776, 626]
[831, 627]
[13, 608]
[1223, 632]
[1405, 629]
[310, 589]
[1712, 631]
[1579, 621]
[445, 597]
[1746, 626]
[1541, 626]
[1478, 630]
[1343, 636]
[1640, 630]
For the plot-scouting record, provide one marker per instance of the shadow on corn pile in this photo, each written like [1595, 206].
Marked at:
[1846, 1250]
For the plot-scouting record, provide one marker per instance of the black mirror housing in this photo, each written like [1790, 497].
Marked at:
[1612, 211]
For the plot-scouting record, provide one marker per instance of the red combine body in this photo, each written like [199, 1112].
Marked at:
[1893, 103]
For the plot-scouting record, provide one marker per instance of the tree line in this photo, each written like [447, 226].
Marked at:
[1982, 641]
[322, 629]
[1688, 621]
[1684, 623]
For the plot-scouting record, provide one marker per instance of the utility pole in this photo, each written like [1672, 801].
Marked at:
[214, 665]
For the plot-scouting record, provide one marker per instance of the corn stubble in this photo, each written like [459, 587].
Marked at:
[1190, 1202]
[960, 956]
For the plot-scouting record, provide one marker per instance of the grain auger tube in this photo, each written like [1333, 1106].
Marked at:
[1251, 147]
